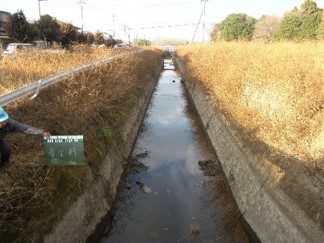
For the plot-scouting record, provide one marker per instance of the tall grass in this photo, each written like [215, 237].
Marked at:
[28, 66]
[95, 103]
[275, 92]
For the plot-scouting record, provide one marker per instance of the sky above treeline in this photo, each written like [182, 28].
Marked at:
[149, 19]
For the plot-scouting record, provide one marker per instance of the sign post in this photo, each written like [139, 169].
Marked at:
[64, 150]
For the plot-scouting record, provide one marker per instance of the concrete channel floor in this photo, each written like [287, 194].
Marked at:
[175, 190]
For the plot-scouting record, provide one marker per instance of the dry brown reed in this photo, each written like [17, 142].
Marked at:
[28, 66]
[95, 103]
[275, 92]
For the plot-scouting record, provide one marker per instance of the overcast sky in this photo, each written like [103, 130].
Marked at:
[149, 19]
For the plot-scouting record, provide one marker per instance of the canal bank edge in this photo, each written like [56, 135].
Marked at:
[272, 200]
[86, 213]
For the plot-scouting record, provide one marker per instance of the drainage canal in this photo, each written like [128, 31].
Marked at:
[174, 190]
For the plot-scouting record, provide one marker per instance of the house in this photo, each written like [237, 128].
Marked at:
[4, 16]
[4, 39]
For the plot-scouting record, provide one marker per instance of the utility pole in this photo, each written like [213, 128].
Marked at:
[204, 1]
[127, 33]
[81, 2]
[39, 8]
[113, 25]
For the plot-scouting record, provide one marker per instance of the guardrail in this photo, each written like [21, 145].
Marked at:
[34, 88]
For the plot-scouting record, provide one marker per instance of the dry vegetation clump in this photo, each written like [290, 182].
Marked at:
[95, 103]
[27, 67]
[275, 92]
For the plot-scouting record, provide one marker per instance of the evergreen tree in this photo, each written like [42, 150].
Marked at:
[302, 23]
[237, 27]
[310, 25]
[110, 42]
[90, 38]
[308, 8]
[81, 38]
[68, 34]
[289, 28]
[99, 38]
[18, 27]
[49, 29]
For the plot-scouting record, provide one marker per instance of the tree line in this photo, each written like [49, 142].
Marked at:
[303, 23]
[52, 31]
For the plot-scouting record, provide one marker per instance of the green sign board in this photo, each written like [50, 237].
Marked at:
[64, 150]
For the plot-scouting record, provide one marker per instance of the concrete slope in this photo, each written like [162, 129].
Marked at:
[277, 197]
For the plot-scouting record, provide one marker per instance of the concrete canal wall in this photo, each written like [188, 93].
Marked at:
[277, 198]
[86, 213]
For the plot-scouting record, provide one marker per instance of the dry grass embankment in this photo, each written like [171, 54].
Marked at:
[95, 103]
[27, 67]
[275, 92]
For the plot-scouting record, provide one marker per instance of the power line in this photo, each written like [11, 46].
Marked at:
[203, 13]
[159, 26]
[151, 4]
[197, 26]
[165, 26]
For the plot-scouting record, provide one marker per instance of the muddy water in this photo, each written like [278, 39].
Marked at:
[174, 190]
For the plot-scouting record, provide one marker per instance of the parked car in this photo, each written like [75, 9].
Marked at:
[41, 44]
[13, 47]
[122, 46]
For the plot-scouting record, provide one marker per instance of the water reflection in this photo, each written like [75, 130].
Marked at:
[184, 205]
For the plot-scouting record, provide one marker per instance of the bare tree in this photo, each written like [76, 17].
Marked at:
[266, 28]
[215, 34]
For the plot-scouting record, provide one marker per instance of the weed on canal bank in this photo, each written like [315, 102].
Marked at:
[274, 92]
[28, 66]
[95, 103]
